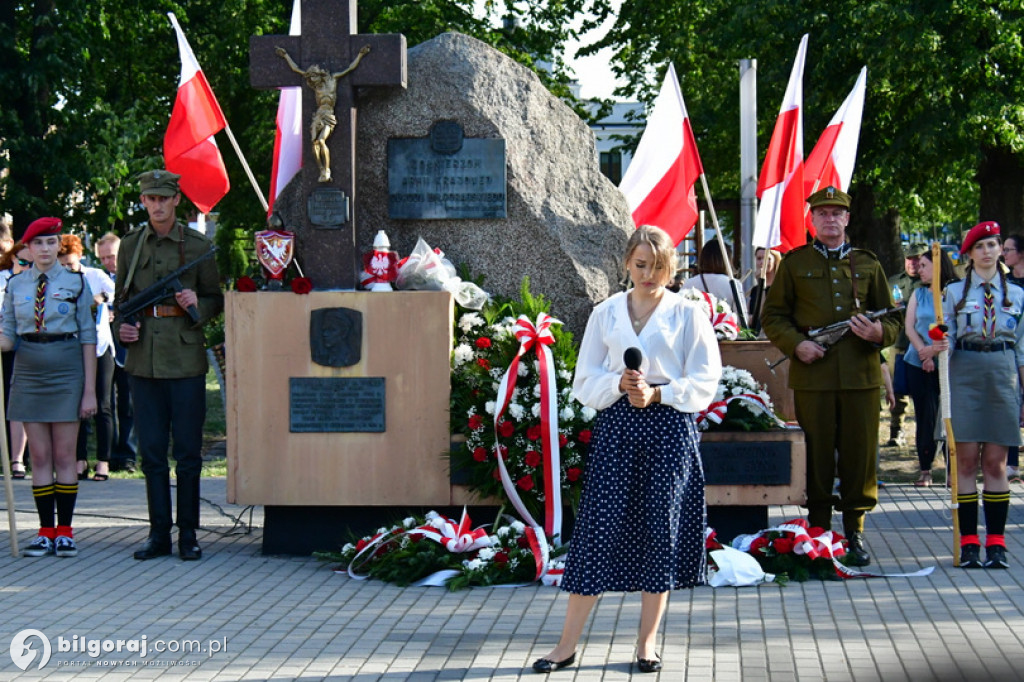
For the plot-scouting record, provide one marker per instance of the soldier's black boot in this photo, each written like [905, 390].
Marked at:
[188, 518]
[158, 495]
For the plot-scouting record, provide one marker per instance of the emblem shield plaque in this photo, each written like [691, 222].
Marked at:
[275, 250]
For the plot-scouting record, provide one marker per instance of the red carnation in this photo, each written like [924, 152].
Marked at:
[573, 473]
[759, 544]
[496, 474]
[246, 284]
[483, 342]
[506, 429]
[533, 433]
[525, 483]
[503, 451]
[783, 545]
[523, 542]
[484, 363]
[476, 422]
[562, 440]
[501, 558]
[361, 545]
[480, 454]
[584, 436]
[302, 285]
[532, 458]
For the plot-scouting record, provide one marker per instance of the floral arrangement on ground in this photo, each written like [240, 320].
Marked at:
[485, 347]
[435, 550]
[789, 551]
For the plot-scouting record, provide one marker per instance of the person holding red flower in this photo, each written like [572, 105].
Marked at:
[641, 521]
[166, 359]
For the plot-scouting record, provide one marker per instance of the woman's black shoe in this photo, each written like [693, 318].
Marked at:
[543, 665]
[645, 665]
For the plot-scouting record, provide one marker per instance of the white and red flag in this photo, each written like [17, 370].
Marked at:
[780, 215]
[189, 147]
[832, 160]
[288, 137]
[659, 183]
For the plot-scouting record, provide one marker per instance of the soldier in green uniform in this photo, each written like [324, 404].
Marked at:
[902, 287]
[836, 390]
[166, 360]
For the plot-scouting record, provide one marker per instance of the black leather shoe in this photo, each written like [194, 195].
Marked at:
[648, 665]
[856, 553]
[153, 548]
[543, 665]
[188, 547]
[970, 556]
[995, 557]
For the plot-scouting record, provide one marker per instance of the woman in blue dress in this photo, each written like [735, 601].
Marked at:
[641, 521]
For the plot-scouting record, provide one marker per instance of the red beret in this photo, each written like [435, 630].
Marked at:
[41, 228]
[989, 228]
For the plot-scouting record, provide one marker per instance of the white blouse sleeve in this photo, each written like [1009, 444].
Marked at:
[696, 348]
[595, 384]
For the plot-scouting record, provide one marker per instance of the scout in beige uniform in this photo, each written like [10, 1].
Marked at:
[836, 390]
[166, 360]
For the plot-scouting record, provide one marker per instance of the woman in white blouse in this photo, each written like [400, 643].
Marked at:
[641, 521]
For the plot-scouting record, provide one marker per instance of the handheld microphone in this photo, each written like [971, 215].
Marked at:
[633, 357]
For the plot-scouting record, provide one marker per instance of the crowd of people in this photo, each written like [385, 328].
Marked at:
[71, 363]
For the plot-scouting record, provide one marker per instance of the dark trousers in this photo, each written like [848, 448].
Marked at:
[170, 412]
[104, 419]
[843, 422]
[125, 442]
[924, 391]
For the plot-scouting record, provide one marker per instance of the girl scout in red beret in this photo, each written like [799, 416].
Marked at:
[47, 314]
[984, 316]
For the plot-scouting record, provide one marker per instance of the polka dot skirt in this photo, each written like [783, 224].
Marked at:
[642, 516]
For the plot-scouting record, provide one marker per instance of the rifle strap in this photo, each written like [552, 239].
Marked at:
[853, 277]
[135, 261]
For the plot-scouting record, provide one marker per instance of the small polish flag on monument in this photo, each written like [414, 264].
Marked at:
[659, 183]
[832, 160]
[780, 215]
[288, 138]
[189, 147]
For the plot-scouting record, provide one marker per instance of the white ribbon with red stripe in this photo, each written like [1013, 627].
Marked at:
[715, 412]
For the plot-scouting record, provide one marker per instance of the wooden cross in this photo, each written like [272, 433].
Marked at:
[326, 243]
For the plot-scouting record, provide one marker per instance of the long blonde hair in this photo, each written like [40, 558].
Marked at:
[660, 243]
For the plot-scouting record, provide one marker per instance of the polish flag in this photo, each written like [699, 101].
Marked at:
[288, 138]
[189, 147]
[780, 215]
[659, 183]
[832, 160]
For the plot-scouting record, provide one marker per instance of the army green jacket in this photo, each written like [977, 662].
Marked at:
[906, 285]
[812, 291]
[168, 347]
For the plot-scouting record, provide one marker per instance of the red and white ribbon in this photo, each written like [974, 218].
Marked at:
[538, 337]
[456, 538]
[715, 412]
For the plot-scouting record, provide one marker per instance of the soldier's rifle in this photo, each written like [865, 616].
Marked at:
[830, 334]
[166, 286]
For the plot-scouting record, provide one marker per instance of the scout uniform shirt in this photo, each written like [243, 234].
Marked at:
[68, 307]
[966, 325]
[814, 288]
[168, 347]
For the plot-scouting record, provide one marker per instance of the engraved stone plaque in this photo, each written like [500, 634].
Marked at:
[424, 184]
[327, 208]
[746, 463]
[336, 405]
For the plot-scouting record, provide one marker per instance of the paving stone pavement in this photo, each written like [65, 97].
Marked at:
[259, 617]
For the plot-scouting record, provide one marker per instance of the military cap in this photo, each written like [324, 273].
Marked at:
[41, 227]
[830, 196]
[159, 183]
[914, 249]
[989, 228]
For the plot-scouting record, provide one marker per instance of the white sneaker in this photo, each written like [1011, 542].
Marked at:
[65, 546]
[41, 546]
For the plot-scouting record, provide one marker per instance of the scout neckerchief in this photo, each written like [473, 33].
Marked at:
[988, 320]
[40, 307]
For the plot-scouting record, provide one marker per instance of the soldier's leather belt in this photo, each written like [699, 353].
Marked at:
[163, 311]
[984, 347]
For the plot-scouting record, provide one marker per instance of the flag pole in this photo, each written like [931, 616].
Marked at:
[944, 407]
[740, 304]
[8, 486]
[245, 165]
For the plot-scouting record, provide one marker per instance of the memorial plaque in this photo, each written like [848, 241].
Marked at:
[746, 463]
[427, 184]
[327, 208]
[336, 404]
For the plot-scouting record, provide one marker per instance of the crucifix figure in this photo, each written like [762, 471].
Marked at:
[325, 88]
[342, 62]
